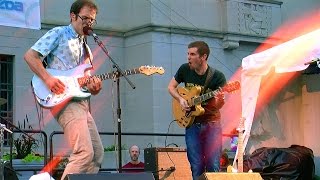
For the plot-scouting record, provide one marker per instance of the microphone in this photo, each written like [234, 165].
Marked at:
[312, 61]
[172, 168]
[88, 31]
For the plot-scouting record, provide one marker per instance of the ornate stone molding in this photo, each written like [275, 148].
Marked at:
[230, 44]
[249, 18]
[254, 19]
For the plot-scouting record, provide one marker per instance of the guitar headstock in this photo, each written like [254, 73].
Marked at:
[231, 86]
[149, 70]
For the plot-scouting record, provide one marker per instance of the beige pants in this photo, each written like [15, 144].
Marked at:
[82, 135]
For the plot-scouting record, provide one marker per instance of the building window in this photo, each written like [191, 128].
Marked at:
[6, 92]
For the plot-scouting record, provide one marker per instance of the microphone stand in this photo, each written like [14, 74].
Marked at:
[117, 77]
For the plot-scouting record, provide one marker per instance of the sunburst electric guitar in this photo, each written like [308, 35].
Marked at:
[74, 80]
[185, 118]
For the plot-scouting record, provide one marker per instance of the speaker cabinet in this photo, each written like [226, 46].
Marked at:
[160, 162]
[113, 176]
[230, 176]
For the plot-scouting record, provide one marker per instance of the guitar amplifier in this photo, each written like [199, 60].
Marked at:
[167, 163]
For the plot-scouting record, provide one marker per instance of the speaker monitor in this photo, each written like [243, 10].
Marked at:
[161, 161]
[230, 176]
[111, 176]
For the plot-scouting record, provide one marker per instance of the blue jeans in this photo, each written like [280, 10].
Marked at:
[204, 146]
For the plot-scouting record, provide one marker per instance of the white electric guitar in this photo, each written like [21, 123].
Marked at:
[74, 80]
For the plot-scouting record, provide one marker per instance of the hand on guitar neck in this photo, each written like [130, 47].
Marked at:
[94, 85]
[219, 99]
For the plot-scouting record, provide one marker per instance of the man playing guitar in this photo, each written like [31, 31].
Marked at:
[65, 48]
[203, 137]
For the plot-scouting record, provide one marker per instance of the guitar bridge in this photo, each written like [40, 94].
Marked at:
[188, 113]
[48, 98]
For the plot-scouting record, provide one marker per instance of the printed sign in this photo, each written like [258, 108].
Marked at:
[20, 13]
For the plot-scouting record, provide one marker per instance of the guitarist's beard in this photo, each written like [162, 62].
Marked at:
[199, 67]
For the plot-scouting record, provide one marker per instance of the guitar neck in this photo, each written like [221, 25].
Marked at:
[204, 97]
[240, 152]
[84, 80]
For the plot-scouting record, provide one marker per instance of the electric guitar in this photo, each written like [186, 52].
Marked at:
[75, 80]
[185, 118]
[240, 145]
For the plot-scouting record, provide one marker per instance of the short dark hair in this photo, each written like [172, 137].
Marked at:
[78, 4]
[202, 47]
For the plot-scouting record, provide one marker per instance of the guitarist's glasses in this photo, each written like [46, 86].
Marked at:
[92, 22]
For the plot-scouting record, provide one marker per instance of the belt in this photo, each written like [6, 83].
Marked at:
[205, 121]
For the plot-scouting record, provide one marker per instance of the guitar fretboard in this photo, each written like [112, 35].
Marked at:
[204, 97]
[240, 145]
[84, 80]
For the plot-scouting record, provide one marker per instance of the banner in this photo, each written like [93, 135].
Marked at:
[20, 13]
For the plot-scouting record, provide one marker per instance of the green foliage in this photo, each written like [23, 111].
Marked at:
[32, 157]
[6, 157]
[113, 148]
[24, 144]
[27, 159]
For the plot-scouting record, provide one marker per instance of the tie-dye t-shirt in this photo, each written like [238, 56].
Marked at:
[63, 47]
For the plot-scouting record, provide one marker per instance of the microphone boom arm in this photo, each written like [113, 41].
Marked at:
[88, 31]
[99, 42]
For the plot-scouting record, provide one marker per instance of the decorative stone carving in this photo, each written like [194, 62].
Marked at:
[254, 19]
[243, 19]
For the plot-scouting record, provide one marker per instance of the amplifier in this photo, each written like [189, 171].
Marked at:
[167, 163]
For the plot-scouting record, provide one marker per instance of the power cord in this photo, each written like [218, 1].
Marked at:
[172, 168]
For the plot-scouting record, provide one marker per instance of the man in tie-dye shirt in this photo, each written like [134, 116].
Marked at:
[65, 48]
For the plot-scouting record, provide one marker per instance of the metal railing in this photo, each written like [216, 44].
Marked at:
[45, 150]
[109, 133]
[45, 144]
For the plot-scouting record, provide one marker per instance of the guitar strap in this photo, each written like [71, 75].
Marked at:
[208, 79]
[86, 51]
